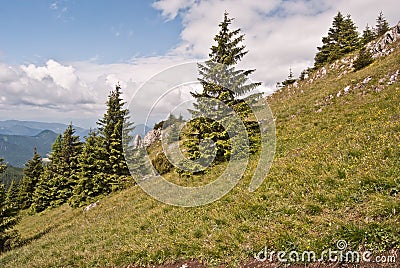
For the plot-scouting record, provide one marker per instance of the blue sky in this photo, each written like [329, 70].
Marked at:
[59, 59]
[108, 31]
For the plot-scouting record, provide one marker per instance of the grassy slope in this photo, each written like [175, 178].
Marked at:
[336, 175]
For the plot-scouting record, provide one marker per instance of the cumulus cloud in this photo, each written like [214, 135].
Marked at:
[279, 34]
[52, 88]
[76, 91]
[63, 76]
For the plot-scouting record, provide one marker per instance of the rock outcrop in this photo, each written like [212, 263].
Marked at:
[137, 142]
[380, 47]
[151, 137]
[89, 207]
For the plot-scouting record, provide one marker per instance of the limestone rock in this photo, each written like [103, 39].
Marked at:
[151, 137]
[137, 142]
[381, 46]
[91, 206]
[393, 77]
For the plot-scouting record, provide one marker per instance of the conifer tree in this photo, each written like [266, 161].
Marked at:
[342, 38]
[173, 133]
[329, 42]
[12, 195]
[290, 79]
[364, 59]
[56, 184]
[45, 194]
[221, 83]
[348, 40]
[32, 172]
[382, 26]
[8, 214]
[368, 35]
[67, 168]
[92, 181]
[112, 127]
[55, 155]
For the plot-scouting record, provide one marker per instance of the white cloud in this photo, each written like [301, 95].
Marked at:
[63, 76]
[54, 6]
[170, 8]
[279, 35]
[60, 10]
[44, 90]
[76, 91]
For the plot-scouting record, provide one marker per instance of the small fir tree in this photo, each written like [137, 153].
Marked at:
[290, 80]
[364, 59]
[45, 192]
[368, 35]
[382, 26]
[349, 39]
[13, 195]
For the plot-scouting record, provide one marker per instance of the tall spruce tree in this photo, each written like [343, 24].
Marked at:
[342, 38]
[112, 127]
[221, 83]
[46, 194]
[8, 214]
[32, 172]
[329, 42]
[92, 180]
[67, 168]
[382, 26]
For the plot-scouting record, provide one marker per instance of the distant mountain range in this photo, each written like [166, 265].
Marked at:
[18, 138]
[17, 149]
[32, 128]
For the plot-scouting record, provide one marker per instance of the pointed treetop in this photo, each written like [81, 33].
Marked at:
[227, 50]
[382, 26]
[290, 76]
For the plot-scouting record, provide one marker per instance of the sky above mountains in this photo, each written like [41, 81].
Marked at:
[59, 59]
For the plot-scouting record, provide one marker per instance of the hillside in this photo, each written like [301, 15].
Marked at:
[16, 149]
[335, 176]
